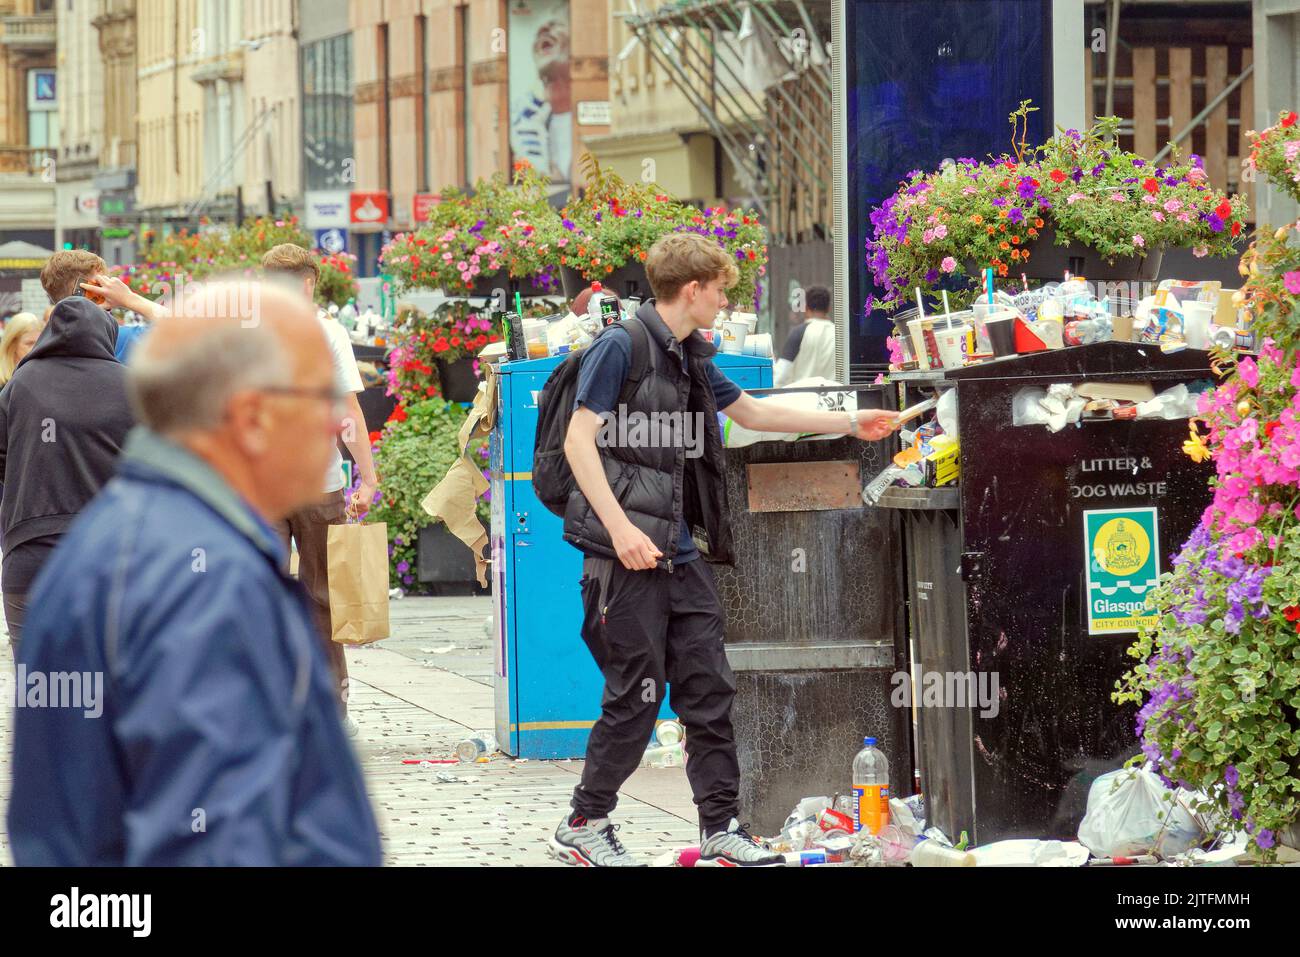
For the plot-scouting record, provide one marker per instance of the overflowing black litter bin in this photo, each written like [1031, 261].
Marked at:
[814, 610]
[1030, 576]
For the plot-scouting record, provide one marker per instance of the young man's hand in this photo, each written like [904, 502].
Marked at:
[118, 295]
[875, 424]
[634, 548]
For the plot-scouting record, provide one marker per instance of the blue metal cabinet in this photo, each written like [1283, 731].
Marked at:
[547, 687]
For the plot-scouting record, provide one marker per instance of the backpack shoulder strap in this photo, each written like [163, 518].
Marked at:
[642, 357]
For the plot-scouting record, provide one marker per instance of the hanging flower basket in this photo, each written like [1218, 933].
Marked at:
[457, 378]
[625, 281]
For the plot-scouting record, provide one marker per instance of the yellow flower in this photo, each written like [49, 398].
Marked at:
[1195, 448]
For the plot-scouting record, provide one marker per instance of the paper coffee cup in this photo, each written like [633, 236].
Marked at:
[916, 331]
[1002, 333]
[749, 318]
[950, 342]
[733, 336]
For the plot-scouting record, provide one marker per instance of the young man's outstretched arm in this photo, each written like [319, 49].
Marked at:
[871, 425]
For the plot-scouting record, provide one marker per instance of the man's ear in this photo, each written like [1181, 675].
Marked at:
[250, 417]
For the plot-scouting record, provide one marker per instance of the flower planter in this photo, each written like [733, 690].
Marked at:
[444, 562]
[458, 381]
[532, 286]
[1050, 261]
[627, 280]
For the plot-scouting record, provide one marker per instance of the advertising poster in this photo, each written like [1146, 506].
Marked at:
[541, 107]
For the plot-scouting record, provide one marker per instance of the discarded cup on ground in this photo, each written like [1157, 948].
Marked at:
[930, 853]
[669, 732]
[479, 746]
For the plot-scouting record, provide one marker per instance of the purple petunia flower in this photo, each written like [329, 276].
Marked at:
[1215, 222]
[1016, 215]
[403, 567]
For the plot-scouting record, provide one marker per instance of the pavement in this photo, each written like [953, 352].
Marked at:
[416, 695]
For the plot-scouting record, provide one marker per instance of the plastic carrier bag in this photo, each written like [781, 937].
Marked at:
[1131, 812]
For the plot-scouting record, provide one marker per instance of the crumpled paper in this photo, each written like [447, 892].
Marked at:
[454, 498]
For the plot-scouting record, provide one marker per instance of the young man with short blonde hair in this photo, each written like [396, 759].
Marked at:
[652, 616]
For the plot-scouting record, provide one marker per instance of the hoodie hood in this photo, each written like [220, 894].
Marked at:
[77, 328]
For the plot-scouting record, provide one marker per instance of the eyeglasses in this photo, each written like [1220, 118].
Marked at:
[335, 398]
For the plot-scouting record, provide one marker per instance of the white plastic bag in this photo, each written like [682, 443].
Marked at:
[1131, 812]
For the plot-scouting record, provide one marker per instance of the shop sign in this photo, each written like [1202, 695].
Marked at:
[369, 209]
[327, 209]
[1122, 547]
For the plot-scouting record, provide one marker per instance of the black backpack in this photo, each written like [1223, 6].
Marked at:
[552, 478]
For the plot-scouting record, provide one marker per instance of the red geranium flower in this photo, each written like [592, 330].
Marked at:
[1289, 119]
[441, 346]
[1057, 176]
[1236, 228]
[1151, 185]
[1270, 428]
[1223, 210]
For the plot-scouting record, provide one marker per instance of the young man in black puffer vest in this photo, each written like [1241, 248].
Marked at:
[651, 503]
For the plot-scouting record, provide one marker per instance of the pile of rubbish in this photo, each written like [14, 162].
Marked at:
[1064, 404]
[1132, 819]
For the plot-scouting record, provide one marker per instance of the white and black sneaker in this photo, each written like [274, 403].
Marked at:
[590, 844]
[734, 847]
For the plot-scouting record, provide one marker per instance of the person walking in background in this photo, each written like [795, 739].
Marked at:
[20, 335]
[308, 526]
[64, 417]
[810, 348]
[220, 742]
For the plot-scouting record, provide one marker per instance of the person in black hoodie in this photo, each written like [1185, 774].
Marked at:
[64, 417]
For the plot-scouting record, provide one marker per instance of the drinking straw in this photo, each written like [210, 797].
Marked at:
[920, 305]
[519, 303]
[946, 310]
[988, 283]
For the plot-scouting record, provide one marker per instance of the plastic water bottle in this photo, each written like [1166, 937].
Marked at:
[870, 788]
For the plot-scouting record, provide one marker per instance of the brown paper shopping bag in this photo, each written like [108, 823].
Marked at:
[358, 582]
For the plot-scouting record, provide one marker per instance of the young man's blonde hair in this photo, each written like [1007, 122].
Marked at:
[290, 258]
[65, 271]
[682, 258]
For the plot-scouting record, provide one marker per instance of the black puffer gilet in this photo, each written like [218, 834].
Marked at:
[655, 482]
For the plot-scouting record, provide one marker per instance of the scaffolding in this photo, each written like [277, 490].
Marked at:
[758, 73]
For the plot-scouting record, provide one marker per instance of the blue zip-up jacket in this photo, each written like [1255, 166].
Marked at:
[219, 740]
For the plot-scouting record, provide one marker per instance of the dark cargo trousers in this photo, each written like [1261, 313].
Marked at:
[645, 628]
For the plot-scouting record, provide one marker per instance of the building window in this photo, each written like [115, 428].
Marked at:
[42, 109]
[327, 113]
